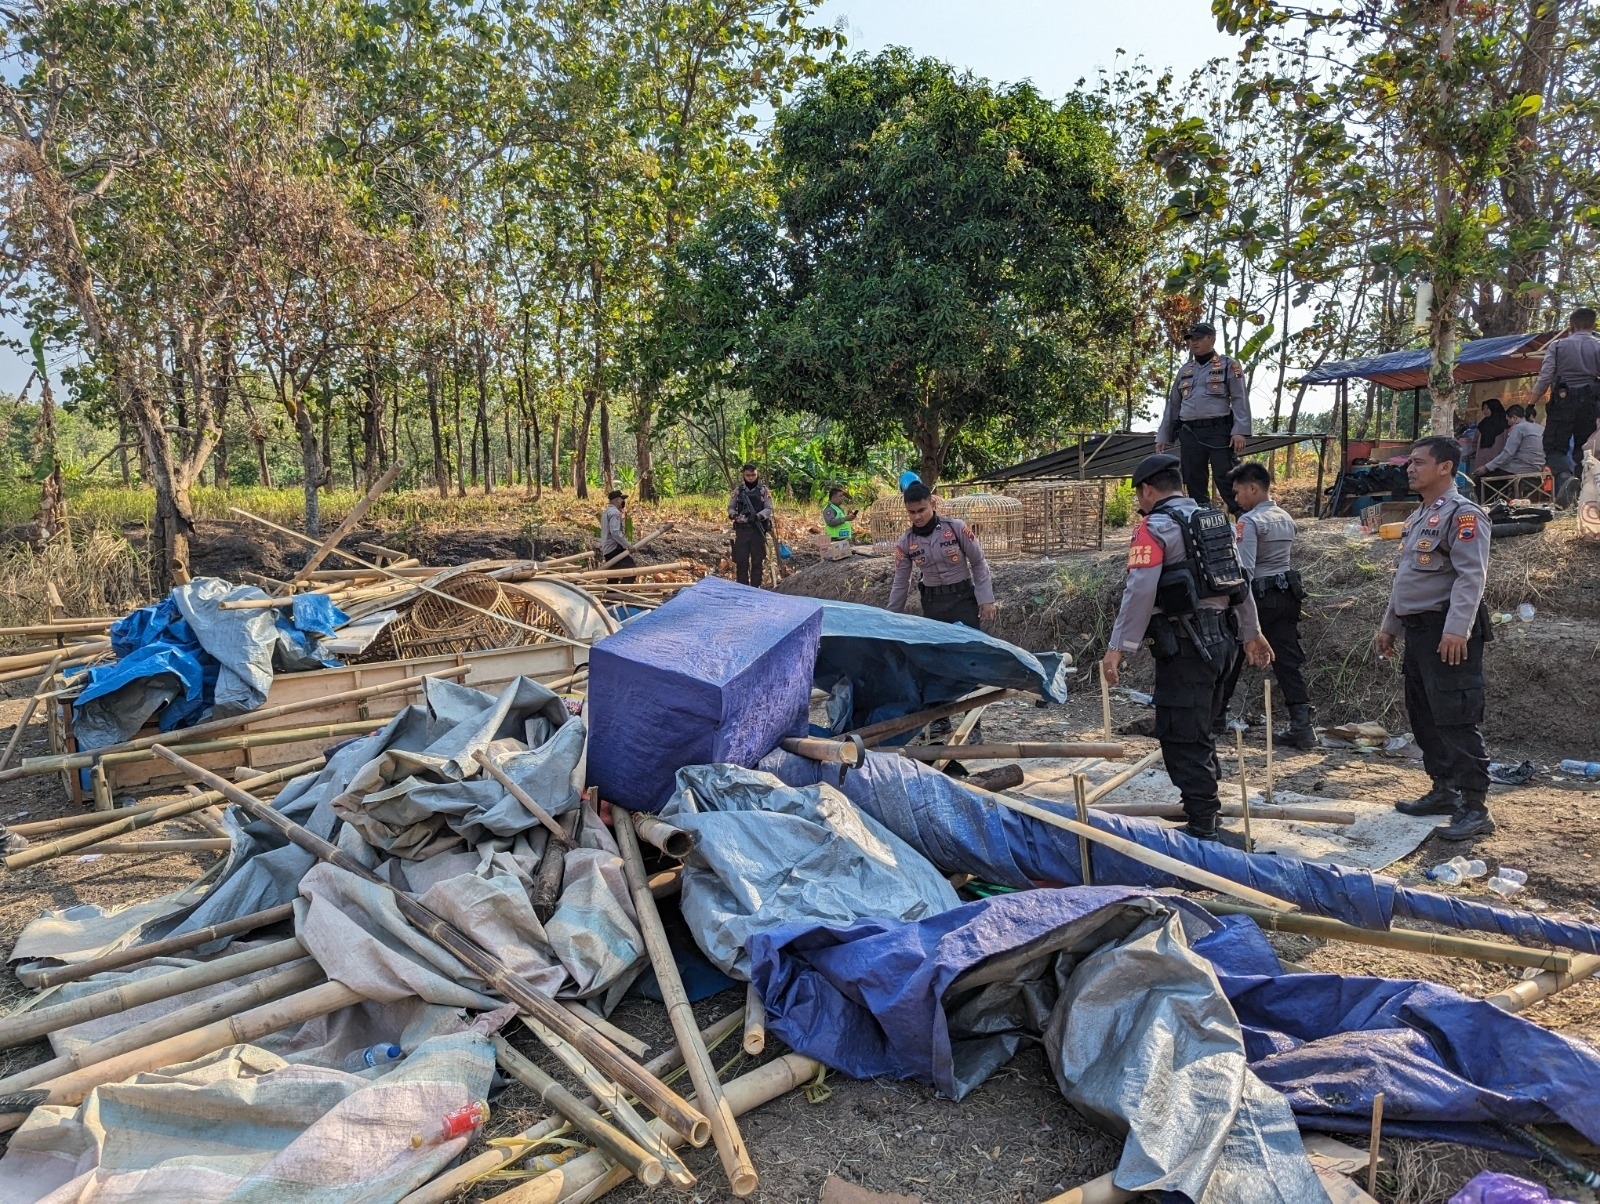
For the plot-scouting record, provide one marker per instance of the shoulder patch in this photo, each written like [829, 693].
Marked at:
[1466, 526]
[1145, 551]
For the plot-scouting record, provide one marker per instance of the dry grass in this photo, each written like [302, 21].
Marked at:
[96, 573]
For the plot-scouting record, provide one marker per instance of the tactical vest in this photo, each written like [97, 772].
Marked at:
[1210, 568]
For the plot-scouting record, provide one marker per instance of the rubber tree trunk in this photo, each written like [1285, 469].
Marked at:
[441, 466]
[311, 463]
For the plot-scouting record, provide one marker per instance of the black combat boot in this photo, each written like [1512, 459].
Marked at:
[1441, 800]
[1209, 829]
[1219, 724]
[1567, 491]
[1471, 819]
[1299, 733]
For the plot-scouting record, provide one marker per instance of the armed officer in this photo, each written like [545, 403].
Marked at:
[953, 576]
[613, 532]
[750, 508]
[1437, 600]
[1187, 598]
[1207, 416]
[1266, 547]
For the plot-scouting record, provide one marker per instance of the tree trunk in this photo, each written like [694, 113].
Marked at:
[606, 473]
[219, 393]
[930, 441]
[325, 481]
[643, 455]
[555, 449]
[461, 460]
[481, 425]
[580, 445]
[441, 468]
[373, 458]
[311, 463]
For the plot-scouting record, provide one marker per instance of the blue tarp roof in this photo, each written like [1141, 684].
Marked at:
[1499, 358]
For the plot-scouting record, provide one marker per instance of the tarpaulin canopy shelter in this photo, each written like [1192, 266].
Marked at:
[1503, 357]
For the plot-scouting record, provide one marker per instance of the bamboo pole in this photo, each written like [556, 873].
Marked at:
[242, 1029]
[1305, 813]
[62, 627]
[198, 844]
[1096, 1191]
[1244, 790]
[619, 1037]
[1409, 939]
[421, 585]
[849, 751]
[1126, 776]
[69, 761]
[293, 977]
[1105, 702]
[1543, 985]
[592, 1176]
[961, 734]
[452, 1181]
[876, 733]
[68, 662]
[33, 660]
[755, 1021]
[28, 709]
[38, 1021]
[357, 513]
[1266, 689]
[741, 1172]
[606, 1057]
[168, 945]
[482, 757]
[74, 823]
[1137, 852]
[639, 570]
[670, 839]
[1081, 798]
[1012, 752]
[646, 1167]
[130, 823]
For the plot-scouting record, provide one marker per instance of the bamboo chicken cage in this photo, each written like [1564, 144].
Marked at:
[1061, 516]
[996, 521]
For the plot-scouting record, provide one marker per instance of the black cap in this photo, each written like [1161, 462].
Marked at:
[1199, 330]
[1150, 465]
[917, 492]
[615, 494]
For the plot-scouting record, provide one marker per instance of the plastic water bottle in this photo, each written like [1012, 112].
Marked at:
[374, 1055]
[1520, 877]
[1474, 869]
[1446, 873]
[1581, 769]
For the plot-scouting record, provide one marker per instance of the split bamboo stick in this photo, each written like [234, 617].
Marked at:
[875, 733]
[1266, 694]
[591, 1176]
[607, 1058]
[1012, 752]
[247, 1026]
[671, 566]
[1096, 1191]
[1105, 703]
[129, 823]
[37, 1022]
[1137, 852]
[28, 709]
[1409, 939]
[421, 585]
[755, 1021]
[1126, 776]
[670, 839]
[357, 513]
[1305, 813]
[74, 823]
[962, 733]
[172, 944]
[741, 1172]
[294, 977]
[1080, 798]
[1541, 986]
[1244, 791]
[482, 757]
[452, 1181]
[623, 1149]
[82, 760]
[199, 844]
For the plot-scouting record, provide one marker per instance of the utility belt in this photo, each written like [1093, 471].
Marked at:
[1168, 635]
[1287, 582]
[1574, 391]
[1206, 424]
[1433, 620]
[945, 591]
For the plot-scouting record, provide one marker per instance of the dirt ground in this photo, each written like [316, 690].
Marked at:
[1015, 1139]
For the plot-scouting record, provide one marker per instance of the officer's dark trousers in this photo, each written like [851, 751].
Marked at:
[955, 603]
[627, 562]
[1203, 451]
[1279, 611]
[1445, 703]
[1188, 693]
[749, 554]
[1568, 418]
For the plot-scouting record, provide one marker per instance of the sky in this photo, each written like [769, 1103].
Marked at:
[1052, 43]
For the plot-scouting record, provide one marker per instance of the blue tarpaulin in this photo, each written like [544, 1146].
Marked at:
[896, 664]
[870, 999]
[1499, 357]
[718, 675]
[185, 657]
[957, 829]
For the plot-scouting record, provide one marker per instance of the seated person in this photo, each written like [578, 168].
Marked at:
[1523, 453]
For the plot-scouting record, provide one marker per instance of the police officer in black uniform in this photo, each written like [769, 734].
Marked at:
[1186, 598]
[1207, 417]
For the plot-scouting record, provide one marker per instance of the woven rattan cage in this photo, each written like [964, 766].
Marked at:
[995, 519]
[1062, 516]
[886, 518]
[431, 625]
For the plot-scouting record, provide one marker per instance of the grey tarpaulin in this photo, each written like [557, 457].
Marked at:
[769, 854]
[1141, 1024]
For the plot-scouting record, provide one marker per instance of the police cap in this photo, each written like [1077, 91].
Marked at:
[615, 494]
[1150, 465]
[1200, 330]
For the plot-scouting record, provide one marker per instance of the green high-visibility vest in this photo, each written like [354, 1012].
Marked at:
[835, 522]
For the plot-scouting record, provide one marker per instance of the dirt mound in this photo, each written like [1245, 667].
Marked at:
[1541, 691]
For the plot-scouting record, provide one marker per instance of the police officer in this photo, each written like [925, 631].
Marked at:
[953, 576]
[1192, 630]
[1571, 375]
[750, 508]
[613, 533]
[835, 518]
[1266, 545]
[1207, 416]
[1437, 600]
